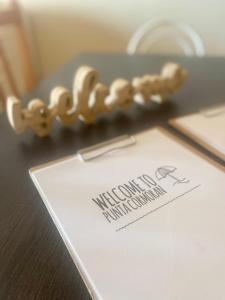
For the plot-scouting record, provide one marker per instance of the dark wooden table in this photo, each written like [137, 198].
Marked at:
[34, 263]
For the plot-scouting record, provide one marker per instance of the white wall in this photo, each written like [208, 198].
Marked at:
[64, 28]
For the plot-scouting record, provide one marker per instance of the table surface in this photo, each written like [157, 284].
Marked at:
[34, 262]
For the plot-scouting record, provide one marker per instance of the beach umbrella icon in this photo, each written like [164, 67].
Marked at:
[168, 172]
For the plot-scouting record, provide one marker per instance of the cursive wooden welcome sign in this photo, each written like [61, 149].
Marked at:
[91, 98]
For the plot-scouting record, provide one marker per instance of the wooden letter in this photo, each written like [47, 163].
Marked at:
[16, 115]
[121, 94]
[84, 83]
[41, 120]
[62, 104]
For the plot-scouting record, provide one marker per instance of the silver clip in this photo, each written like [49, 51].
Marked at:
[106, 147]
[213, 111]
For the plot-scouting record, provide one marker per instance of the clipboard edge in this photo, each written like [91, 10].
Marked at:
[175, 124]
[48, 164]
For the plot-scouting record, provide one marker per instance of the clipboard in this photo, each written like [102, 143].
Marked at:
[106, 250]
[185, 125]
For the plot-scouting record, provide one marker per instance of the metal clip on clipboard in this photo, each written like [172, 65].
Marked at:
[213, 111]
[100, 149]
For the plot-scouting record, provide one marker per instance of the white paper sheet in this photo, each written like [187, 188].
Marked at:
[170, 247]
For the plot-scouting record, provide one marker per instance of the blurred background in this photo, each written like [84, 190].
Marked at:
[38, 36]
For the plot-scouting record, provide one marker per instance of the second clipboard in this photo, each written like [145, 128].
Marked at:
[206, 127]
